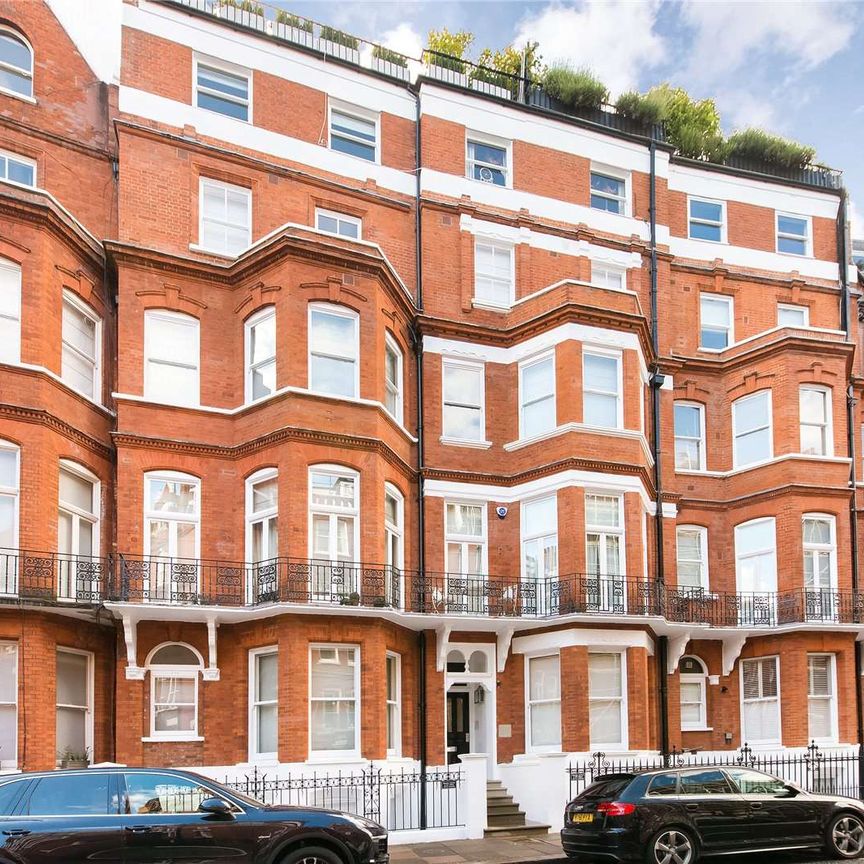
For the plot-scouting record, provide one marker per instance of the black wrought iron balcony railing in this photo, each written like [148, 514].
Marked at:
[57, 578]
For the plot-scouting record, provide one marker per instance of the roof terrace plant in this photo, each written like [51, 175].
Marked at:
[579, 88]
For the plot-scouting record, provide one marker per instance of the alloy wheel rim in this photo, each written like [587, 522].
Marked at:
[848, 836]
[673, 847]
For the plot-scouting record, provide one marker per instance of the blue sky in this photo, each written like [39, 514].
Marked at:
[796, 68]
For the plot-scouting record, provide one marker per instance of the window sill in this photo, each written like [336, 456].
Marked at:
[698, 729]
[158, 739]
[461, 442]
[347, 759]
[194, 247]
[6, 92]
[490, 307]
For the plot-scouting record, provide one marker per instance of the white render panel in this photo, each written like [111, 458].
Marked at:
[224, 43]
[603, 639]
[241, 134]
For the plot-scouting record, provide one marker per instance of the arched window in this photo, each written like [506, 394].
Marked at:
[174, 668]
[16, 64]
[694, 710]
[456, 661]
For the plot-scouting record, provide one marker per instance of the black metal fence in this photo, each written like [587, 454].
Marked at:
[833, 773]
[392, 799]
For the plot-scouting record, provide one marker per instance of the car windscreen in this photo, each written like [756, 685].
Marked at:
[606, 787]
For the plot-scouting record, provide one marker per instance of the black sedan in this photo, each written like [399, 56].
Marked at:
[674, 816]
[142, 814]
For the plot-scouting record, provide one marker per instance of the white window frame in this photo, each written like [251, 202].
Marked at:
[186, 672]
[88, 708]
[702, 531]
[745, 738]
[702, 680]
[13, 492]
[530, 747]
[756, 552]
[504, 144]
[702, 440]
[593, 351]
[601, 281]
[194, 325]
[224, 187]
[7, 764]
[625, 713]
[336, 755]
[163, 516]
[616, 174]
[832, 698]
[73, 300]
[808, 239]
[78, 515]
[449, 363]
[736, 462]
[248, 326]
[394, 707]
[397, 387]
[603, 531]
[255, 755]
[12, 353]
[549, 531]
[252, 517]
[340, 218]
[344, 312]
[792, 307]
[333, 512]
[730, 331]
[19, 70]
[395, 531]
[828, 426]
[464, 540]
[230, 69]
[526, 399]
[8, 155]
[359, 113]
[501, 246]
[691, 219]
[830, 547]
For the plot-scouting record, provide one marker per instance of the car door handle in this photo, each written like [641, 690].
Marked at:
[692, 806]
[755, 805]
[16, 832]
[138, 829]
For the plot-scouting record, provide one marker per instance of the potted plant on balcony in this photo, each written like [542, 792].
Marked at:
[352, 599]
[763, 148]
[69, 758]
[444, 55]
[390, 62]
[294, 28]
[497, 73]
[576, 89]
[646, 109]
[339, 44]
[245, 12]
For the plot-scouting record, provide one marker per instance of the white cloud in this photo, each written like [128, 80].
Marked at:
[404, 39]
[615, 38]
[729, 35]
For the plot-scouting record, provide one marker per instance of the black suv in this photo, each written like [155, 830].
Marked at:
[673, 816]
[143, 814]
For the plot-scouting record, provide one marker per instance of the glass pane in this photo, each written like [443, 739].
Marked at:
[174, 384]
[791, 225]
[465, 519]
[16, 82]
[600, 410]
[8, 540]
[544, 678]
[701, 231]
[538, 379]
[333, 725]
[792, 246]
[264, 495]
[687, 455]
[8, 677]
[487, 153]
[602, 510]
[353, 148]
[333, 673]
[20, 172]
[791, 317]
[753, 447]
[754, 537]
[71, 733]
[539, 417]
[78, 372]
[71, 794]
[605, 722]
[706, 210]
[71, 678]
[541, 516]
[817, 531]
[262, 339]
[704, 783]
[159, 541]
[228, 107]
[173, 496]
[460, 422]
[268, 728]
[163, 793]
[14, 52]
[264, 380]
[186, 534]
[327, 223]
[688, 422]
[601, 373]
[224, 82]
[8, 736]
[354, 126]
[79, 330]
[329, 375]
[9, 469]
[604, 676]
[268, 677]
[75, 491]
[175, 655]
[463, 385]
[546, 724]
[332, 490]
[172, 339]
[609, 185]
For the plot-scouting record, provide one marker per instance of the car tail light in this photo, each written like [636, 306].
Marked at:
[615, 808]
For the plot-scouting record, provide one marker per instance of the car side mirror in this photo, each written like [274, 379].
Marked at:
[216, 806]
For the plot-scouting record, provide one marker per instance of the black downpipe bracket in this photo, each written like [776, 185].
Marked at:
[656, 382]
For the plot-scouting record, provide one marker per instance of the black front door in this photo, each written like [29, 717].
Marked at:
[458, 720]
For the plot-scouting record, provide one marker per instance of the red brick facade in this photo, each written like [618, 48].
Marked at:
[113, 222]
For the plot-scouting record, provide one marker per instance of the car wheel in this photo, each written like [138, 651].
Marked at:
[311, 855]
[671, 846]
[846, 836]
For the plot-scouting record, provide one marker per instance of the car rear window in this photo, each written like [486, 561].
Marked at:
[606, 787]
[705, 783]
[664, 784]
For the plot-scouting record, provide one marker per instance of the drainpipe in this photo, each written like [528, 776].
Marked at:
[421, 501]
[656, 382]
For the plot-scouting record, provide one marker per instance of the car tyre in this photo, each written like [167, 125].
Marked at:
[846, 836]
[311, 855]
[672, 845]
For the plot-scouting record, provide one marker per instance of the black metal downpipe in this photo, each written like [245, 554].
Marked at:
[656, 382]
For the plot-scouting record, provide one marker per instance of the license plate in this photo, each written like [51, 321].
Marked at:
[582, 817]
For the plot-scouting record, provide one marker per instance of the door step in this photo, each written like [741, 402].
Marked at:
[504, 817]
[526, 829]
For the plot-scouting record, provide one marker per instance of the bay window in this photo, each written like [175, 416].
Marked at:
[752, 429]
[463, 395]
[537, 396]
[260, 338]
[334, 337]
[171, 357]
[604, 552]
[77, 529]
[262, 516]
[334, 531]
[81, 346]
[264, 704]
[760, 701]
[607, 708]
[334, 687]
[756, 570]
[544, 703]
[601, 390]
[814, 406]
[393, 378]
[820, 565]
[10, 312]
[689, 437]
[821, 698]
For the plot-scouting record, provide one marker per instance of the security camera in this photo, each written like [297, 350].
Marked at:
[501, 511]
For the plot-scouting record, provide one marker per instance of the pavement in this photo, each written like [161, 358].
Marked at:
[515, 850]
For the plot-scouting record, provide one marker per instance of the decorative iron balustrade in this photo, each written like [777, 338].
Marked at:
[57, 578]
